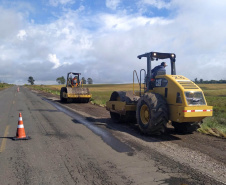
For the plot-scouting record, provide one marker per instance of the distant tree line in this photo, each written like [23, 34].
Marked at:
[201, 81]
[61, 80]
[89, 80]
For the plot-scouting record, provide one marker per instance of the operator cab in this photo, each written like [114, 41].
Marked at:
[151, 56]
[73, 79]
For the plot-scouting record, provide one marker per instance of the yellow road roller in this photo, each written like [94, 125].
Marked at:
[160, 99]
[74, 90]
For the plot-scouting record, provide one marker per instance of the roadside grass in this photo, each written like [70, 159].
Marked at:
[215, 95]
[100, 98]
[213, 126]
[5, 85]
[53, 89]
[101, 93]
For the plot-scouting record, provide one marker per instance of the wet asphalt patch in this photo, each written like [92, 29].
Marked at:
[106, 136]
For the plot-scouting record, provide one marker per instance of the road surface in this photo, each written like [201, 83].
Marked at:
[78, 144]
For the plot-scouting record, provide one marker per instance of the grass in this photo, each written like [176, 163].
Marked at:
[215, 95]
[53, 89]
[214, 126]
[101, 93]
[4, 86]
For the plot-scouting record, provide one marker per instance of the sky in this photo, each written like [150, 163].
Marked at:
[101, 39]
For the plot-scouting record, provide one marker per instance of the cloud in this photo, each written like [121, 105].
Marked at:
[52, 58]
[111, 23]
[60, 2]
[160, 4]
[11, 22]
[22, 35]
[112, 4]
[105, 46]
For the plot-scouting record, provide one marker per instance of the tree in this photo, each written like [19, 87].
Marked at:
[31, 80]
[196, 80]
[60, 80]
[83, 80]
[90, 81]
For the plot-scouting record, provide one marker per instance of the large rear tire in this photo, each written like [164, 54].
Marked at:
[62, 99]
[152, 114]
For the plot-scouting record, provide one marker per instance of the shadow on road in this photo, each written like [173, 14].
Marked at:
[6, 138]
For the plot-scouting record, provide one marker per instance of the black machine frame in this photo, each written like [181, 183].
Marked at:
[155, 56]
[75, 74]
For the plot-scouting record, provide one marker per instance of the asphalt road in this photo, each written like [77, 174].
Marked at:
[67, 148]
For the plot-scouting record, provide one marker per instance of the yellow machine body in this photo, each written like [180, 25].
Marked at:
[176, 90]
[77, 92]
[74, 90]
[163, 98]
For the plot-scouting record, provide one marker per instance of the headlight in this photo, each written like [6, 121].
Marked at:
[195, 98]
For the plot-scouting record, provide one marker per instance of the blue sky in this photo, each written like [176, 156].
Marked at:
[45, 12]
[102, 38]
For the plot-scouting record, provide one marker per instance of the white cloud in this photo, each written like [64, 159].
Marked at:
[22, 35]
[60, 2]
[112, 4]
[128, 22]
[156, 3]
[52, 58]
[10, 23]
[105, 46]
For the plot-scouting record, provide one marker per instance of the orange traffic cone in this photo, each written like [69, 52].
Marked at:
[20, 134]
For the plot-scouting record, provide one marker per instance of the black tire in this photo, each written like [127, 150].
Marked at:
[85, 100]
[118, 96]
[69, 100]
[116, 117]
[185, 128]
[62, 99]
[152, 114]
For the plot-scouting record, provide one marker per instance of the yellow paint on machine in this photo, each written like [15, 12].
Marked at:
[78, 96]
[177, 113]
[179, 110]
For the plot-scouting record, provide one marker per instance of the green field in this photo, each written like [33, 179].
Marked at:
[215, 95]
[4, 86]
